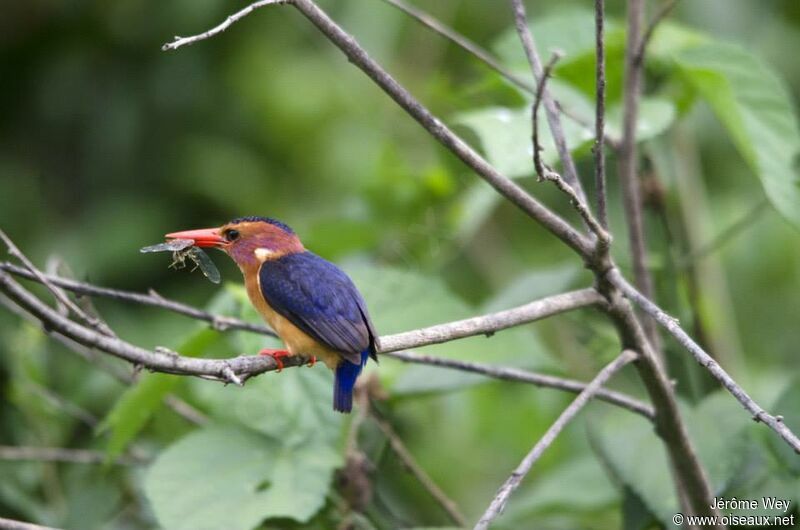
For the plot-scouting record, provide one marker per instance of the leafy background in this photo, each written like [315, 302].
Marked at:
[106, 143]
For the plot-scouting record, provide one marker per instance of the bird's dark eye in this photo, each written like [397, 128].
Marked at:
[231, 235]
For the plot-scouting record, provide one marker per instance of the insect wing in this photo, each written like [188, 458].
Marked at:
[173, 245]
[207, 266]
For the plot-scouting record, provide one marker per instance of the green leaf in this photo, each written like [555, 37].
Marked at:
[233, 478]
[636, 457]
[137, 404]
[754, 105]
[505, 133]
[293, 405]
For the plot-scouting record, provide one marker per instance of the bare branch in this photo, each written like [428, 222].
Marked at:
[238, 369]
[499, 502]
[553, 118]
[524, 376]
[491, 323]
[734, 229]
[671, 325]
[600, 113]
[60, 296]
[411, 464]
[60, 454]
[10, 524]
[184, 41]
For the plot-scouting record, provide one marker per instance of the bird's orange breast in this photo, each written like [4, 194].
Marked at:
[296, 340]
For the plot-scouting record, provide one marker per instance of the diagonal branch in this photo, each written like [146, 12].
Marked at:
[498, 504]
[671, 324]
[60, 296]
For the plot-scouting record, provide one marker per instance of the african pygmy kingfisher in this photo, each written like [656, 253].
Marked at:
[310, 303]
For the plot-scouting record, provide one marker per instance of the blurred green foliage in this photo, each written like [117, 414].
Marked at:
[106, 143]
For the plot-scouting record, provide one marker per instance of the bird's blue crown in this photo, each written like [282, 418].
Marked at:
[269, 220]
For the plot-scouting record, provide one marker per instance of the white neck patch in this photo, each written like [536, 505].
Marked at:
[263, 254]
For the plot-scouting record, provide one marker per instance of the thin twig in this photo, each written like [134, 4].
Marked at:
[734, 229]
[60, 296]
[544, 172]
[410, 463]
[553, 117]
[10, 524]
[600, 114]
[524, 376]
[499, 502]
[61, 454]
[671, 324]
[426, 19]
[662, 12]
[184, 41]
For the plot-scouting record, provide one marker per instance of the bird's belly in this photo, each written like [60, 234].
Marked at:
[297, 341]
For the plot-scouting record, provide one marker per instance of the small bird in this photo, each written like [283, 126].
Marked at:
[310, 303]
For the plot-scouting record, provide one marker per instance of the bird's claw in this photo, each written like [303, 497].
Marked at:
[311, 361]
[277, 355]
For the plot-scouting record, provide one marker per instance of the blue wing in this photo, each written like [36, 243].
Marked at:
[321, 300]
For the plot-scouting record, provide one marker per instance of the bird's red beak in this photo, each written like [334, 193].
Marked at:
[203, 237]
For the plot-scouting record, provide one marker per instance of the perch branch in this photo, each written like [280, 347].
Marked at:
[390, 342]
[499, 502]
[239, 368]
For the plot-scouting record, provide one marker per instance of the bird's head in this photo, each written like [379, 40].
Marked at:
[248, 240]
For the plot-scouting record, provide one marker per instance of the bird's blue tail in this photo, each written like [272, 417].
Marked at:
[344, 381]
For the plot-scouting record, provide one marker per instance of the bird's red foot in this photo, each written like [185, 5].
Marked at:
[277, 355]
[311, 361]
